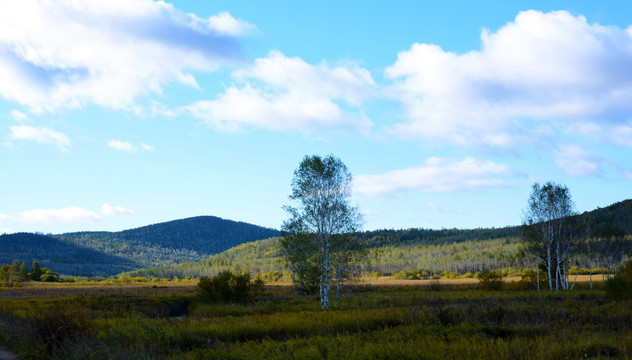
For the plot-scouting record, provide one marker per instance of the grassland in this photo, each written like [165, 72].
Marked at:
[440, 320]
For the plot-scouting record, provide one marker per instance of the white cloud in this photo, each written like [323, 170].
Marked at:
[128, 147]
[71, 214]
[121, 145]
[40, 135]
[622, 135]
[68, 54]
[435, 174]
[18, 116]
[65, 215]
[224, 23]
[108, 210]
[542, 71]
[577, 162]
[288, 94]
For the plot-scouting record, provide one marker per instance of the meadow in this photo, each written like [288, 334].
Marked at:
[437, 320]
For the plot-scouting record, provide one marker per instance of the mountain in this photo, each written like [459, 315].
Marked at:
[110, 253]
[617, 215]
[60, 256]
[391, 251]
[176, 241]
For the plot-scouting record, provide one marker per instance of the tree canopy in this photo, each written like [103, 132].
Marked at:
[317, 233]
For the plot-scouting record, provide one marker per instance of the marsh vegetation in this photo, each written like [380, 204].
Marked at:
[403, 322]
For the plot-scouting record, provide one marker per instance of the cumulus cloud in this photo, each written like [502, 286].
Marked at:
[224, 23]
[71, 214]
[128, 147]
[435, 174]
[67, 54]
[65, 215]
[40, 135]
[107, 210]
[622, 135]
[18, 116]
[288, 94]
[577, 162]
[541, 71]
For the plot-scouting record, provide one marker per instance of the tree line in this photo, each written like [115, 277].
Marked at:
[16, 272]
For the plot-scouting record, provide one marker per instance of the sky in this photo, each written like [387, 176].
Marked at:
[123, 113]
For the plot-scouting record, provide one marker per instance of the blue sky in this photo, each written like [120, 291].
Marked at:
[123, 113]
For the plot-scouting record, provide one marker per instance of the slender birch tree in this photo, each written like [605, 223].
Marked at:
[321, 188]
[547, 230]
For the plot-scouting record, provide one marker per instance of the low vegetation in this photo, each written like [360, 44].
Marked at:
[435, 322]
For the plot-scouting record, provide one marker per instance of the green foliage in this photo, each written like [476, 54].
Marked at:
[229, 287]
[371, 323]
[490, 280]
[49, 276]
[620, 286]
[36, 271]
[10, 275]
[317, 238]
[24, 272]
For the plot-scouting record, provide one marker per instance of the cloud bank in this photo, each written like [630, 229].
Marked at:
[288, 94]
[543, 72]
[435, 174]
[67, 215]
[68, 54]
[40, 135]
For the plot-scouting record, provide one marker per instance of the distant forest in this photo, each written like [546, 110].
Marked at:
[206, 245]
[110, 253]
[424, 251]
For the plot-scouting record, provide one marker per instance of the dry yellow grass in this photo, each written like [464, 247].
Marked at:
[29, 290]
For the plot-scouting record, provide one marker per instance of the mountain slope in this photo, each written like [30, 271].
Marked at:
[176, 241]
[60, 256]
[391, 251]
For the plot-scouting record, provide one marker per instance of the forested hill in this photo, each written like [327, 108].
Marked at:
[617, 215]
[391, 251]
[176, 241]
[60, 256]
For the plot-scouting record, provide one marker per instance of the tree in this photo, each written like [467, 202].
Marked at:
[24, 272]
[316, 233]
[547, 230]
[36, 271]
[4, 272]
[227, 286]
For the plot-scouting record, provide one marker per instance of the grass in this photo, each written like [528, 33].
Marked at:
[371, 322]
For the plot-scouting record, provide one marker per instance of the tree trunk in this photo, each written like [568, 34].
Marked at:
[548, 265]
[339, 275]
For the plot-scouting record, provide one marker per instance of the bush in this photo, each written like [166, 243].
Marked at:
[229, 287]
[490, 280]
[620, 286]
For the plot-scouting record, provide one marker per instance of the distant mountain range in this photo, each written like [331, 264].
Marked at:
[110, 253]
[194, 240]
[394, 250]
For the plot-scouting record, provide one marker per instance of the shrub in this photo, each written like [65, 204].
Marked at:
[229, 287]
[490, 280]
[620, 286]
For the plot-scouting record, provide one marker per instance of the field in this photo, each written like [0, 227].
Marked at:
[433, 321]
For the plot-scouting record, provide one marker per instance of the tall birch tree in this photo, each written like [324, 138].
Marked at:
[313, 234]
[547, 230]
